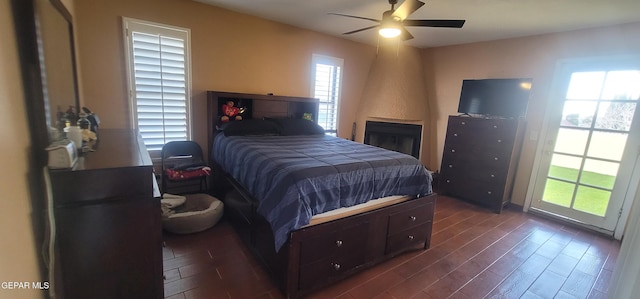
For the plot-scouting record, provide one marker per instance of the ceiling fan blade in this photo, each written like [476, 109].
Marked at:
[406, 8]
[434, 23]
[405, 35]
[363, 29]
[356, 17]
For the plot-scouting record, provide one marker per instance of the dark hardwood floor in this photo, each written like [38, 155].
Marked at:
[474, 254]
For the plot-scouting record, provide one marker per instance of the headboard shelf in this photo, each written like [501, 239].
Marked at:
[255, 106]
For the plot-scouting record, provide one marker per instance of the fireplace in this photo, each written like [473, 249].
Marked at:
[399, 137]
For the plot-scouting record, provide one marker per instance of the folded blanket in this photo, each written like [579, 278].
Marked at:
[176, 175]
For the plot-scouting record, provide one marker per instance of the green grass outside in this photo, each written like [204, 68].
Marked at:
[589, 200]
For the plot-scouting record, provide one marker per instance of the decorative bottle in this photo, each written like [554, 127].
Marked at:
[83, 122]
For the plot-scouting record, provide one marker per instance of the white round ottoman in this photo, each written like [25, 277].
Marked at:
[198, 212]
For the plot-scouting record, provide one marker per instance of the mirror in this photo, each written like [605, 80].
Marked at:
[55, 38]
[44, 34]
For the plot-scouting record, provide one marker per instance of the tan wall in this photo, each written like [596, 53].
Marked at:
[230, 52]
[533, 57]
[18, 257]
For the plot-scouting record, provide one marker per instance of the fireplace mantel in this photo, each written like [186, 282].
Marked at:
[396, 120]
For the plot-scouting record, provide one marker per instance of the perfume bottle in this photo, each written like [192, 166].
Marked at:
[71, 116]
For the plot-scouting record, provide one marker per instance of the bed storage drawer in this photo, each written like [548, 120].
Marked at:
[333, 254]
[328, 269]
[408, 238]
[343, 243]
[409, 218]
[408, 228]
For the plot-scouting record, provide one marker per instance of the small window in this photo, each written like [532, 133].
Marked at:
[326, 83]
[159, 81]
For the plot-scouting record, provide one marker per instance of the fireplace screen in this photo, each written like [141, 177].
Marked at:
[404, 138]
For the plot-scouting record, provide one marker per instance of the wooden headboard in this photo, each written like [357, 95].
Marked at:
[257, 106]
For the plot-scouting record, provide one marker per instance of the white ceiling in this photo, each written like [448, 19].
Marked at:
[485, 19]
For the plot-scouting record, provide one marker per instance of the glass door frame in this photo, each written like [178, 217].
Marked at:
[561, 77]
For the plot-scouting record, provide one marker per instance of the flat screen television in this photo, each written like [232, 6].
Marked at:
[506, 98]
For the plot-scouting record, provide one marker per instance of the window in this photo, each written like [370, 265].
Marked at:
[159, 81]
[327, 75]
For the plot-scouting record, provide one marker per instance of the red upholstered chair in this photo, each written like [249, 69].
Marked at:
[183, 167]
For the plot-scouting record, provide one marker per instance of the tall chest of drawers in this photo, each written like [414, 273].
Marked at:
[480, 158]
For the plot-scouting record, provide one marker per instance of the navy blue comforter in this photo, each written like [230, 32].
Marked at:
[296, 177]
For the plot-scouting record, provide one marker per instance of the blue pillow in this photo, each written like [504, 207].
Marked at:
[297, 126]
[251, 127]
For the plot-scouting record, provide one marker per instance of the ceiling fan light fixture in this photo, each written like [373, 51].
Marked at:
[389, 29]
[394, 21]
[389, 32]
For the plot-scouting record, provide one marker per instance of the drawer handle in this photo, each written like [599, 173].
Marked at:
[499, 140]
[412, 218]
[489, 192]
[464, 123]
[495, 127]
[339, 243]
[450, 165]
[410, 237]
[448, 181]
[453, 151]
[495, 158]
[336, 266]
[493, 176]
[455, 134]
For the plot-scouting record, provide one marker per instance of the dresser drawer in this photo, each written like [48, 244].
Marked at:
[463, 123]
[409, 218]
[492, 161]
[479, 191]
[499, 144]
[408, 238]
[462, 136]
[453, 185]
[497, 127]
[342, 243]
[462, 151]
[483, 176]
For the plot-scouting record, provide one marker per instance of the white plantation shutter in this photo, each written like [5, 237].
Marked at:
[327, 77]
[159, 80]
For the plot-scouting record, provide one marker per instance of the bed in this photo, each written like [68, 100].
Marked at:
[313, 208]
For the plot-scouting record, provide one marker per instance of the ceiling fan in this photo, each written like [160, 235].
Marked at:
[394, 20]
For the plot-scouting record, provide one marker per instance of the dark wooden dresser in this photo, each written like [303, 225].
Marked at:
[480, 158]
[107, 222]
